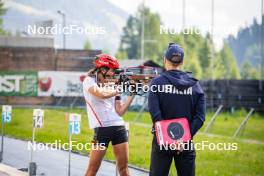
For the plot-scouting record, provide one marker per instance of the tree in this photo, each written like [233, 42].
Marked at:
[87, 45]
[205, 52]
[248, 71]
[198, 49]
[121, 55]
[152, 35]
[106, 51]
[131, 38]
[195, 53]
[225, 64]
[192, 64]
[245, 43]
[2, 12]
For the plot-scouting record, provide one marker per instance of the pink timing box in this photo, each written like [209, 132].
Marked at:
[168, 131]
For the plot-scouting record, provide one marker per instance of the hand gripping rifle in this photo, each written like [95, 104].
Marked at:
[133, 79]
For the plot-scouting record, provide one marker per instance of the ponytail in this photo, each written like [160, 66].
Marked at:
[92, 72]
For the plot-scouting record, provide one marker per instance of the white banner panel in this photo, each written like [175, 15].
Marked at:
[60, 83]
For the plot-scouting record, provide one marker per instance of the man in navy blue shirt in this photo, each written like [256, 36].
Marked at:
[186, 100]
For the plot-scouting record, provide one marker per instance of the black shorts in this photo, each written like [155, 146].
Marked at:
[114, 134]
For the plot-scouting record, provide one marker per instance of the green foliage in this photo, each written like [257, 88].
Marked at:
[154, 42]
[248, 71]
[225, 64]
[130, 41]
[2, 12]
[246, 45]
[152, 24]
[205, 56]
[87, 45]
[106, 51]
[121, 55]
[198, 49]
[246, 48]
[193, 65]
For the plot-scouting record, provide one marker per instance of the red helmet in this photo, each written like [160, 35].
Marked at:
[104, 60]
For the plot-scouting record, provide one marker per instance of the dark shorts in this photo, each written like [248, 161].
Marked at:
[114, 134]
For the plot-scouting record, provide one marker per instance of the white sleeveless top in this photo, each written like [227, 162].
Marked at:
[101, 112]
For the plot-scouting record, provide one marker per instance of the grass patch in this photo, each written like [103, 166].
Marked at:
[247, 160]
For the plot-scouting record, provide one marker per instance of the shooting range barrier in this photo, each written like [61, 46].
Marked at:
[234, 94]
[64, 89]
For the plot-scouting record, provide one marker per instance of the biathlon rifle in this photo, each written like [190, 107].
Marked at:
[134, 76]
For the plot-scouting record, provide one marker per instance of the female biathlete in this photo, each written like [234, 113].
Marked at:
[104, 108]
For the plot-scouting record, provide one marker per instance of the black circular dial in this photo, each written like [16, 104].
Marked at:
[175, 130]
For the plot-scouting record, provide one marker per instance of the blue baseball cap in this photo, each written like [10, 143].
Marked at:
[174, 53]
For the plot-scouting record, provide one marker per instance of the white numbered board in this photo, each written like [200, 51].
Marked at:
[38, 118]
[75, 123]
[6, 113]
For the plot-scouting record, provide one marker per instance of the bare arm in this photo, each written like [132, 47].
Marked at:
[121, 108]
[102, 93]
